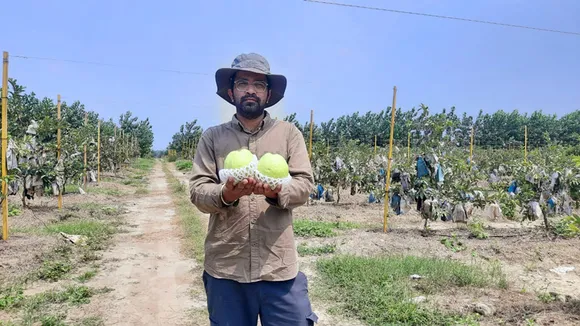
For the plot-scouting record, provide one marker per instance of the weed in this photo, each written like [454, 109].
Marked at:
[143, 164]
[378, 290]
[190, 220]
[568, 227]
[86, 276]
[178, 187]
[322, 229]
[477, 230]
[183, 165]
[453, 243]
[141, 191]
[546, 297]
[105, 191]
[92, 321]
[305, 250]
[11, 296]
[13, 210]
[53, 270]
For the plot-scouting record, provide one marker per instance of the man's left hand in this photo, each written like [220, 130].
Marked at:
[266, 190]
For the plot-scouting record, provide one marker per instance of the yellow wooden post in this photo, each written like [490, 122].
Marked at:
[85, 173]
[311, 129]
[98, 151]
[58, 149]
[471, 146]
[386, 209]
[526, 144]
[4, 145]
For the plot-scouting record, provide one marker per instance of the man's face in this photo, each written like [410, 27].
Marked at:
[249, 94]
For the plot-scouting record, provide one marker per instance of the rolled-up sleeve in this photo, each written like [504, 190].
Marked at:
[296, 193]
[204, 186]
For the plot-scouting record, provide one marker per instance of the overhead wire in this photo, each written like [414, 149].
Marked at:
[442, 17]
[109, 64]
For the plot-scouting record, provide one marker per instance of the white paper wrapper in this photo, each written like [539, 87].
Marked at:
[273, 182]
[239, 174]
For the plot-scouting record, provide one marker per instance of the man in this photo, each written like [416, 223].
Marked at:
[251, 263]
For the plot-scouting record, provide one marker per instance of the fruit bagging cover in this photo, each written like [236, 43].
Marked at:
[273, 182]
[240, 173]
[273, 169]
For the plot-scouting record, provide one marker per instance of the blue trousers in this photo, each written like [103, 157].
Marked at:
[283, 303]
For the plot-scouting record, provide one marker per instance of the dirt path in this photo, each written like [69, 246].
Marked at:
[146, 269]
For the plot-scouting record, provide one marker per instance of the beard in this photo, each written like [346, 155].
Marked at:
[250, 109]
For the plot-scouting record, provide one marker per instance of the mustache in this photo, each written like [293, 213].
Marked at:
[246, 97]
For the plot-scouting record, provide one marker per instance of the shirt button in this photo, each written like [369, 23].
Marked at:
[254, 244]
[253, 221]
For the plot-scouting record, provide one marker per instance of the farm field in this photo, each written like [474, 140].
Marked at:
[483, 220]
[520, 276]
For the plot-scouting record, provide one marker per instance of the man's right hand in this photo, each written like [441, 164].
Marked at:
[232, 193]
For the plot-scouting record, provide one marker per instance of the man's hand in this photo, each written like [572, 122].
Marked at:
[266, 190]
[232, 193]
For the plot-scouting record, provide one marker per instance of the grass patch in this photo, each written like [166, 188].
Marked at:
[321, 229]
[305, 250]
[11, 296]
[183, 165]
[141, 191]
[92, 321]
[54, 270]
[91, 229]
[97, 209]
[378, 291]
[191, 223]
[87, 276]
[71, 189]
[143, 164]
[13, 210]
[105, 191]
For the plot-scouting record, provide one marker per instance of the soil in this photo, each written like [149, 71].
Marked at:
[147, 269]
[153, 282]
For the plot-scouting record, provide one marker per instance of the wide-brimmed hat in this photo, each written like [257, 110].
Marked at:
[255, 63]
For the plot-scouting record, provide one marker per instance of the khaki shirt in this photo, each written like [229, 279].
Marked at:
[253, 240]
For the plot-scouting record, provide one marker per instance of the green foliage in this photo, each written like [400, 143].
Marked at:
[171, 158]
[11, 296]
[185, 141]
[453, 243]
[184, 165]
[54, 270]
[37, 151]
[379, 291]
[305, 250]
[568, 227]
[321, 229]
[477, 230]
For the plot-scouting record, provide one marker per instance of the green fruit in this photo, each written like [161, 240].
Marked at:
[238, 159]
[273, 166]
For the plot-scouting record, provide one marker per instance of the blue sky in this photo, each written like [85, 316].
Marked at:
[338, 60]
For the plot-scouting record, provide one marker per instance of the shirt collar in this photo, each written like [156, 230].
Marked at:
[265, 124]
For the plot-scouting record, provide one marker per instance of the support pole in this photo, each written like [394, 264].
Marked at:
[85, 174]
[409, 147]
[311, 127]
[471, 146]
[386, 209]
[58, 149]
[98, 151]
[526, 144]
[375, 144]
[4, 145]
